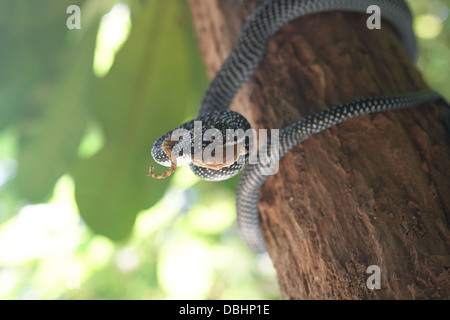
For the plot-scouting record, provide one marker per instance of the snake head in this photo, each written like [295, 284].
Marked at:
[221, 149]
[215, 145]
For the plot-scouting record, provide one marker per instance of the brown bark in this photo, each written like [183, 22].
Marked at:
[373, 190]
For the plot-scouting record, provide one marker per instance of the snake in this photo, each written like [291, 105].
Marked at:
[178, 146]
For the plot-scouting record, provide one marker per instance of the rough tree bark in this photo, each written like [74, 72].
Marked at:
[373, 190]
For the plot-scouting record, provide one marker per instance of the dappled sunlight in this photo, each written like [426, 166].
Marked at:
[45, 236]
[92, 141]
[127, 259]
[428, 26]
[218, 217]
[114, 29]
[8, 168]
[47, 252]
[265, 265]
[185, 270]
[41, 230]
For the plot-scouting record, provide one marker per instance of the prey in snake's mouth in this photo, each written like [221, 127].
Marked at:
[238, 149]
[222, 160]
[167, 147]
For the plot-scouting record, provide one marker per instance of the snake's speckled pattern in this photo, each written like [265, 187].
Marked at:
[240, 65]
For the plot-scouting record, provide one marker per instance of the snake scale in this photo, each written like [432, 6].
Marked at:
[236, 70]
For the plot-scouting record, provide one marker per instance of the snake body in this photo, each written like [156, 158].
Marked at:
[243, 59]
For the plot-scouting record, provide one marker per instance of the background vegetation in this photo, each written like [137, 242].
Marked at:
[79, 111]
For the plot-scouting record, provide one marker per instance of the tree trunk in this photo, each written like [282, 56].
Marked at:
[373, 190]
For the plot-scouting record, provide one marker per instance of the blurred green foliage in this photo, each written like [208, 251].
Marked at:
[79, 218]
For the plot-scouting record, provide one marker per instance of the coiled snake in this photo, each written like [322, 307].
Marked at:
[235, 71]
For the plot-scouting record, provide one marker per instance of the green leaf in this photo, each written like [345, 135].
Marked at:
[52, 111]
[32, 38]
[156, 77]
